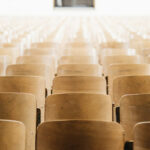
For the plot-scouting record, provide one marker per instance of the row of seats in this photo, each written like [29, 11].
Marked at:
[74, 95]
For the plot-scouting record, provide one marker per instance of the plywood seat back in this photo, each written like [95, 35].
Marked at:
[42, 70]
[142, 136]
[12, 135]
[125, 70]
[68, 106]
[25, 84]
[79, 70]
[78, 60]
[36, 59]
[123, 85]
[75, 84]
[20, 107]
[39, 52]
[120, 59]
[134, 108]
[79, 134]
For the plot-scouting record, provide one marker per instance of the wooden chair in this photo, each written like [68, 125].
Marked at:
[41, 70]
[142, 136]
[133, 109]
[130, 85]
[79, 105]
[78, 60]
[12, 135]
[125, 69]
[75, 84]
[47, 52]
[79, 135]
[25, 84]
[79, 70]
[36, 59]
[20, 107]
[120, 59]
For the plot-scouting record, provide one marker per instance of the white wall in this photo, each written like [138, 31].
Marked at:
[103, 7]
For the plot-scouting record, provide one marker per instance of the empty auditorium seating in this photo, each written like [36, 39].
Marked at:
[79, 70]
[97, 73]
[133, 109]
[20, 107]
[75, 84]
[79, 134]
[78, 106]
[12, 135]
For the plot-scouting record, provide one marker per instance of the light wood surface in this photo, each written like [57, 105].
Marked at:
[78, 106]
[81, 135]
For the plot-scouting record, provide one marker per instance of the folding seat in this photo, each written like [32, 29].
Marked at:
[79, 134]
[12, 135]
[138, 84]
[20, 107]
[117, 70]
[79, 70]
[36, 59]
[142, 136]
[75, 84]
[25, 84]
[79, 105]
[78, 60]
[120, 59]
[134, 108]
[42, 70]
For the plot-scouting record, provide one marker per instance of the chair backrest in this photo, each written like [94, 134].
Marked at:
[142, 136]
[79, 134]
[79, 52]
[134, 109]
[42, 45]
[78, 60]
[126, 69]
[75, 84]
[20, 107]
[123, 85]
[25, 84]
[36, 59]
[79, 70]
[120, 59]
[94, 107]
[48, 52]
[12, 135]
[42, 70]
